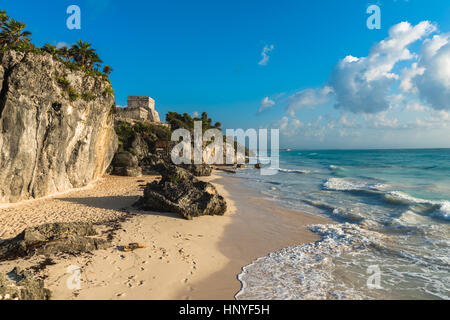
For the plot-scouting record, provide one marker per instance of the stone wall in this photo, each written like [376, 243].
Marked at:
[139, 108]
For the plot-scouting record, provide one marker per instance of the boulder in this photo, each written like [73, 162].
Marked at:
[198, 170]
[124, 159]
[180, 192]
[140, 148]
[127, 171]
[74, 237]
[21, 285]
[125, 164]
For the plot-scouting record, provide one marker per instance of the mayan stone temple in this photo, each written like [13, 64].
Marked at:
[140, 108]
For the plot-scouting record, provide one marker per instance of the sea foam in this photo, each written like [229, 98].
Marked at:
[307, 271]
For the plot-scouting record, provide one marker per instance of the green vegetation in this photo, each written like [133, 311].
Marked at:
[13, 33]
[185, 121]
[73, 95]
[107, 70]
[109, 91]
[149, 132]
[63, 82]
[88, 96]
[81, 56]
[126, 135]
[173, 178]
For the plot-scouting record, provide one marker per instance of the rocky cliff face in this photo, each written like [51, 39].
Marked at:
[56, 127]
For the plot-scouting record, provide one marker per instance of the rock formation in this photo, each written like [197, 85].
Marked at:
[56, 127]
[198, 170]
[125, 164]
[69, 237]
[21, 285]
[180, 192]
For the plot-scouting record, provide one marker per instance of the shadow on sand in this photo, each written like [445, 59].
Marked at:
[118, 203]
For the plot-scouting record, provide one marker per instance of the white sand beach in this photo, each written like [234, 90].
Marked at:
[183, 259]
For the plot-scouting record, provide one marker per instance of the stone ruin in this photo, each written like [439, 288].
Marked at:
[139, 108]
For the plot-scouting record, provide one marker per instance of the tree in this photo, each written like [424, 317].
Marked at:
[64, 53]
[3, 17]
[107, 70]
[185, 121]
[13, 33]
[53, 50]
[84, 55]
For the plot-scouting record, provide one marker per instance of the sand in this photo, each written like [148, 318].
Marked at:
[197, 259]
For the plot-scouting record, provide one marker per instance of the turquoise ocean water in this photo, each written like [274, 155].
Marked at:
[391, 237]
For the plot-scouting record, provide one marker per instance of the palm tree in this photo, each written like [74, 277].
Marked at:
[64, 53]
[3, 17]
[13, 33]
[107, 70]
[84, 55]
[53, 50]
[94, 60]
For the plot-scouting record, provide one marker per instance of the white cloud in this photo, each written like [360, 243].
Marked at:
[266, 103]
[308, 98]
[408, 74]
[416, 106]
[288, 126]
[433, 84]
[61, 44]
[265, 55]
[361, 85]
[195, 114]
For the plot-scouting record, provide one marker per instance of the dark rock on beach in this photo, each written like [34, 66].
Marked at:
[21, 285]
[198, 170]
[73, 237]
[125, 164]
[180, 192]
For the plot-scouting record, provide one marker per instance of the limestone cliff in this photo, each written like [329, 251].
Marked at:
[56, 127]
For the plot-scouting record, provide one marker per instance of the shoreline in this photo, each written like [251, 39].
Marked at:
[258, 227]
[198, 259]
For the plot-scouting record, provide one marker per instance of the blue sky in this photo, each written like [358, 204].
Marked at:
[194, 56]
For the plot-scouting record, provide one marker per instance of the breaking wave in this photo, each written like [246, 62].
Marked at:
[308, 271]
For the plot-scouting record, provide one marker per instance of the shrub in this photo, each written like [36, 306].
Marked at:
[125, 134]
[109, 91]
[63, 82]
[73, 96]
[88, 96]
